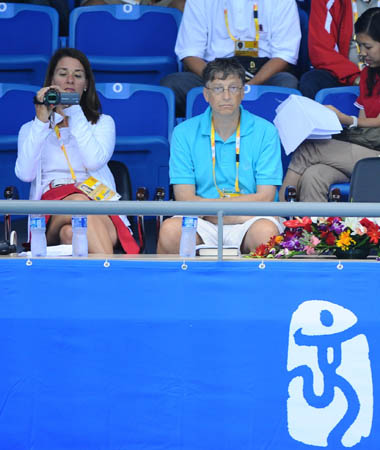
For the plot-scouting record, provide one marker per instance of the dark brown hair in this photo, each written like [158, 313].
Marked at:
[89, 101]
[369, 23]
[224, 66]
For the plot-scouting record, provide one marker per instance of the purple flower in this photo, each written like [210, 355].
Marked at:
[291, 243]
[336, 225]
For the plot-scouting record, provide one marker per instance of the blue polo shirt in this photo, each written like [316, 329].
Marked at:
[191, 158]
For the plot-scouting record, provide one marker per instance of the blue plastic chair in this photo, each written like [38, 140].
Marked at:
[16, 108]
[144, 118]
[342, 98]
[28, 38]
[125, 43]
[259, 100]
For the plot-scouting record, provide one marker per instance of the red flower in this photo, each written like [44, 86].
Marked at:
[261, 250]
[330, 239]
[374, 234]
[331, 220]
[305, 222]
[367, 223]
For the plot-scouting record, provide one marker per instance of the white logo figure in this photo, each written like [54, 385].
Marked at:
[330, 390]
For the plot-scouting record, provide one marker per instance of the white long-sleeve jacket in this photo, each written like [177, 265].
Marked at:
[89, 147]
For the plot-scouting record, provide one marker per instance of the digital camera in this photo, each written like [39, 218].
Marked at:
[54, 97]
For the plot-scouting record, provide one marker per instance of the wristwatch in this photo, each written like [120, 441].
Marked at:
[354, 123]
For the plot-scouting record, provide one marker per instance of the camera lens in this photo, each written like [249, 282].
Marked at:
[52, 97]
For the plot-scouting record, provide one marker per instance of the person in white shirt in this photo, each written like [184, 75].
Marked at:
[64, 145]
[264, 34]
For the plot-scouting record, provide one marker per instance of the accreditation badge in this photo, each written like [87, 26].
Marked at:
[246, 48]
[96, 190]
[227, 194]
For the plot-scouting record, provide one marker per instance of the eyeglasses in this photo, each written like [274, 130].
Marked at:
[233, 90]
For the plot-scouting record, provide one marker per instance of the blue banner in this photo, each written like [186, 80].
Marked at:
[138, 355]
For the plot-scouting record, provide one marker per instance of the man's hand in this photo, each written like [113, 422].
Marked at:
[194, 64]
[186, 192]
[270, 68]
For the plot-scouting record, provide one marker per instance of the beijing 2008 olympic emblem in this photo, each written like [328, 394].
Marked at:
[330, 401]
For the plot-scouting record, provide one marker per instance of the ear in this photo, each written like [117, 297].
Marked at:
[205, 95]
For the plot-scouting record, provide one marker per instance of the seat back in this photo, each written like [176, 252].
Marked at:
[122, 179]
[365, 181]
[16, 108]
[144, 118]
[259, 100]
[28, 38]
[129, 43]
[343, 98]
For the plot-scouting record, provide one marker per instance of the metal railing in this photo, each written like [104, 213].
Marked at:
[209, 208]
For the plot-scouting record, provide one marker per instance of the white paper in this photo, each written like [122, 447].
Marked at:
[299, 118]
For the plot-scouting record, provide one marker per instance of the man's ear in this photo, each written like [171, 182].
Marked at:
[205, 94]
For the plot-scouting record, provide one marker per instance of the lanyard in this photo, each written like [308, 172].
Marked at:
[57, 132]
[356, 15]
[237, 190]
[255, 18]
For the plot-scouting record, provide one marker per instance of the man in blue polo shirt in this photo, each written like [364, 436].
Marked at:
[224, 154]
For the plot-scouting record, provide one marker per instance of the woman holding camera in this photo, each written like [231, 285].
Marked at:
[64, 146]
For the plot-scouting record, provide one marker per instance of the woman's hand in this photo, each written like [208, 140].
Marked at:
[344, 119]
[43, 112]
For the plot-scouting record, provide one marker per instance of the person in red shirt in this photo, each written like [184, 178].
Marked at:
[332, 48]
[317, 164]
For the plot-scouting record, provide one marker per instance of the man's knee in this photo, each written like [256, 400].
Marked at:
[259, 233]
[283, 79]
[170, 235]
[171, 81]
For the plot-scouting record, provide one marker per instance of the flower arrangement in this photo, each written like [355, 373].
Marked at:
[323, 235]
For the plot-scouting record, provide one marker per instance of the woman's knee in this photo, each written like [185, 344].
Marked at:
[77, 197]
[66, 234]
[314, 184]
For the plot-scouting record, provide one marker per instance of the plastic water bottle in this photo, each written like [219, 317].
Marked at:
[38, 236]
[80, 243]
[188, 237]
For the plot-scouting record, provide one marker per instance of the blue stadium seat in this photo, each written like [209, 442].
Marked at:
[144, 118]
[342, 98]
[16, 108]
[259, 100]
[28, 38]
[125, 43]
